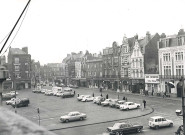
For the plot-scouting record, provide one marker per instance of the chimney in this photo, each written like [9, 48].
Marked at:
[25, 49]
[148, 36]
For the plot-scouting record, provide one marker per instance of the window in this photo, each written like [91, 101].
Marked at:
[137, 52]
[141, 64]
[16, 60]
[178, 56]
[179, 70]
[125, 71]
[166, 57]
[17, 75]
[17, 68]
[179, 41]
[100, 74]
[167, 70]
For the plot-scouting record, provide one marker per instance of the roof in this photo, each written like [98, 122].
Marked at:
[156, 117]
[16, 51]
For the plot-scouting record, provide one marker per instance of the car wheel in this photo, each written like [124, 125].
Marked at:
[66, 120]
[86, 100]
[138, 130]
[117, 133]
[171, 125]
[156, 127]
[81, 118]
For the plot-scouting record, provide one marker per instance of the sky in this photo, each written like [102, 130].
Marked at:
[51, 29]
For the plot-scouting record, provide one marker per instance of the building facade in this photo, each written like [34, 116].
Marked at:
[171, 62]
[111, 67]
[94, 72]
[19, 66]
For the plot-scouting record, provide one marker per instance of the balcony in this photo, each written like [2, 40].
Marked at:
[171, 76]
[111, 76]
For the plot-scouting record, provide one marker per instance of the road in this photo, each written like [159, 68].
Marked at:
[98, 117]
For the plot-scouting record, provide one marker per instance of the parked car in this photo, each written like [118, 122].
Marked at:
[36, 90]
[120, 102]
[13, 92]
[21, 103]
[113, 102]
[96, 99]
[87, 98]
[55, 90]
[72, 116]
[59, 94]
[100, 100]
[7, 96]
[43, 90]
[129, 105]
[106, 102]
[124, 128]
[67, 92]
[12, 100]
[159, 121]
[80, 97]
[49, 92]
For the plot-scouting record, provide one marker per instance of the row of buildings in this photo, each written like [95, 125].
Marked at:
[150, 63]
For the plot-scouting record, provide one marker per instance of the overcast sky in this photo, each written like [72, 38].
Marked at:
[53, 28]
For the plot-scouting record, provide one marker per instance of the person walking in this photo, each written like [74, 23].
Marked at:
[101, 95]
[152, 91]
[93, 94]
[144, 103]
[107, 96]
[123, 98]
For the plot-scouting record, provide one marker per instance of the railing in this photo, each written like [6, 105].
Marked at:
[111, 76]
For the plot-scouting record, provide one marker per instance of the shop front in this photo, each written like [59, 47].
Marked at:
[137, 85]
[152, 83]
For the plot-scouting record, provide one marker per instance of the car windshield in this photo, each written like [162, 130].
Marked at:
[116, 125]
[151, 119]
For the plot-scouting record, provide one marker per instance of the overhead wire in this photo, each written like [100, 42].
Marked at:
[16, 31]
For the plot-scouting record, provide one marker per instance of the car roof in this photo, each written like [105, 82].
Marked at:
[74, 112]
[129, 102]
[156, 117]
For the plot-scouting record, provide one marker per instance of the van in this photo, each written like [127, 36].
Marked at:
[55, 90]
[67, 92]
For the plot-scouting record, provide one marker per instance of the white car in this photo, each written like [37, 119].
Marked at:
[72, 116]
[129, 105]
[13, 92]
[59, 94]
[96, 99]
[43, 90]
[87, 98]
[80, 97]
[106, 102]
[158, 121]
[12, 100]
[49, 92]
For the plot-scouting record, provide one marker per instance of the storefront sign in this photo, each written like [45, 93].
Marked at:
[151, 78]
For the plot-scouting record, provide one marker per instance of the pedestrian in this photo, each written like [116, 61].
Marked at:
[152, 91]
[93, 94]
[101, 89]
[78, 95]
[123, 98]
[144, 103]
[101, 95]
[107, 96]
[74, 92]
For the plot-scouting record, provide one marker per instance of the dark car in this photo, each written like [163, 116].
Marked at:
[21, 103]
[124, 128]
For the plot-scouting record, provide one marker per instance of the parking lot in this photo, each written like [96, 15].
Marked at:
[52, 107]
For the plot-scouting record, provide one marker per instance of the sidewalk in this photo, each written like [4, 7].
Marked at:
[137, 94]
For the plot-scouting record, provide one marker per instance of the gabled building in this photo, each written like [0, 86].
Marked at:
[125, 63]
[19, 66]
[171, 62]
[137, 67]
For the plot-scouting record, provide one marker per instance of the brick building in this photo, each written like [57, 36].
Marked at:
[19, 66]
